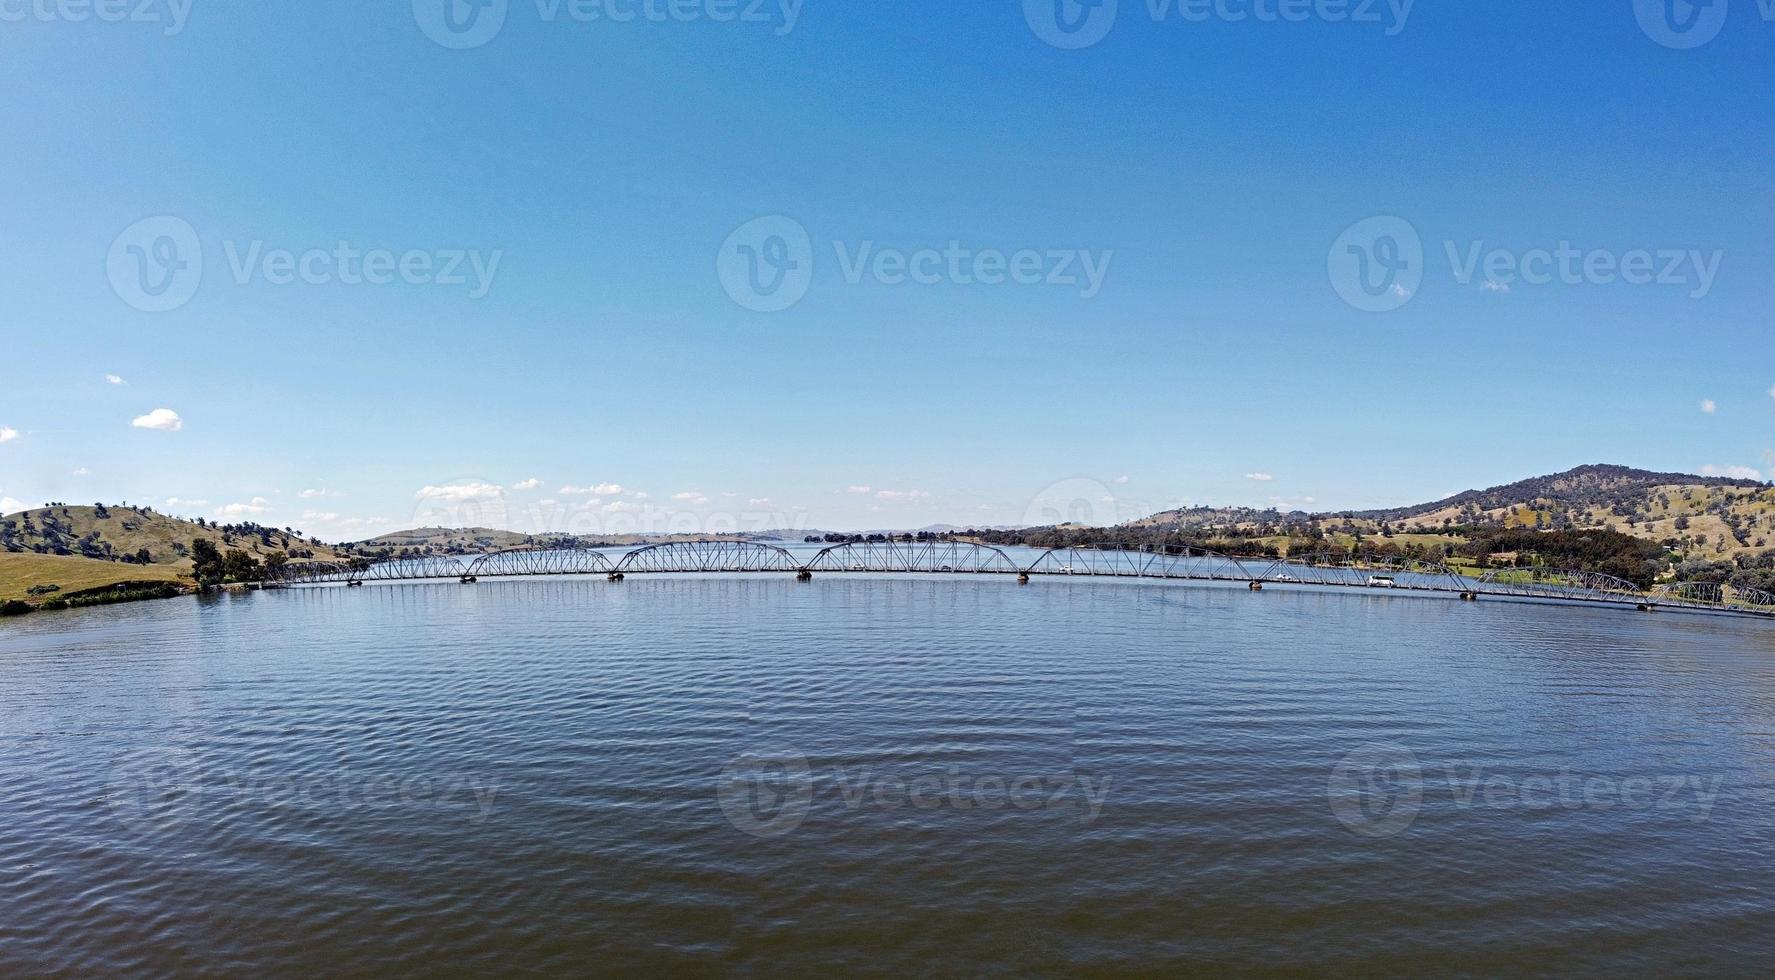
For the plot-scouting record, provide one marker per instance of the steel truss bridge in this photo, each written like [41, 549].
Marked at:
[965, 558]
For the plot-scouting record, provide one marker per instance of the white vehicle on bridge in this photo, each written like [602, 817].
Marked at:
[1382, 582]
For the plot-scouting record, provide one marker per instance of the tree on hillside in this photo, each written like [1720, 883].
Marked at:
[241, 567]
[208, 562]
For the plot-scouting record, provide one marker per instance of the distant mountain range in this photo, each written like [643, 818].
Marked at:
[1596, 486]
[1708, 516]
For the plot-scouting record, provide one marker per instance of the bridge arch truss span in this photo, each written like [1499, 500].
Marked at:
[1755, 598]
[401, 570]
[1191, 564]
[1706, 593]
[1552, 583]
[708, 556]
[532, 561]
[931, 557]
[1716, 595]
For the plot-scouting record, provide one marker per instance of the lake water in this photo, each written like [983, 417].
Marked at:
[875, 775]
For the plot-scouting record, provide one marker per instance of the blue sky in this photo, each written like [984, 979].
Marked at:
[1211, 170]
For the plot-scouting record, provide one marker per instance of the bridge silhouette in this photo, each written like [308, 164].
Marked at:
[967, 558]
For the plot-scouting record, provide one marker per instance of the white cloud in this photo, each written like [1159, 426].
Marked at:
[1260, 477]
[901, 495]
[639, 495]
[176, 502]
[1710, 406]
[7, 435]
[691, 497]
[622, 507]
[160, 420]
[1122, 481]
[596, 490]
[82, 471]
[758, 502]
[112, 379]
[459, 492]
[858, 489]
[1494, 286]
[11, 505]
[319, 494]
[530, 484]
[1732, 472]
[1401, 291]
[258, 505]
[323, 517]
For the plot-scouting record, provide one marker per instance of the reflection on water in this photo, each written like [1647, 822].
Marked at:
[707, 775]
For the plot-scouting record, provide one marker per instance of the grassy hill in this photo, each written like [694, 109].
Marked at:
[1638, 525]
[445, 541]
[77, 548]
[1706, 518]
[117, 533]
[63, 575]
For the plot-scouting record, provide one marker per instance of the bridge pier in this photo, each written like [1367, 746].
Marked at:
[616, 576]
[1022, 578]
[469, 580]
[804, 576]
[1646, 607]
[354, 584]
[1257, 586]
[1469, 597]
